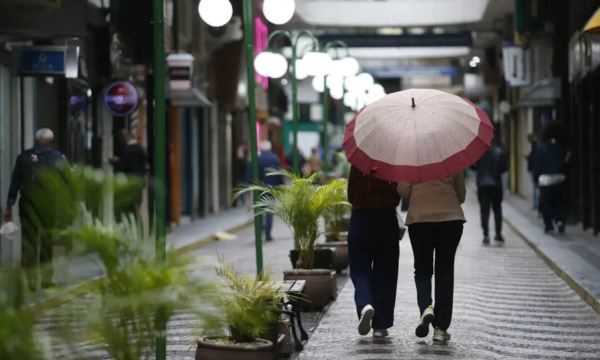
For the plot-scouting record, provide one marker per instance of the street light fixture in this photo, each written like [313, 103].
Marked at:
[215, 13]
[279, 12]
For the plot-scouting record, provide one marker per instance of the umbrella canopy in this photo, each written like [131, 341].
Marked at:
[417, 135]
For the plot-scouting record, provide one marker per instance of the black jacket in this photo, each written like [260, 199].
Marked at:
[27, 166]
[491, 167]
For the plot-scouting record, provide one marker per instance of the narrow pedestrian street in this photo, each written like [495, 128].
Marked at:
[508, 305]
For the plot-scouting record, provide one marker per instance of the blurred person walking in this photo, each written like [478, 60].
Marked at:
[36, 246]
[374, 250]
[435, 225]
[549, 171]
[134, 158]
[269, 162]
[490, 190]
[533, 143]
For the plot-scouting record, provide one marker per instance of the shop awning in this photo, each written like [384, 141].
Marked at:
[542, 93]
[188, 98]
[593, 24]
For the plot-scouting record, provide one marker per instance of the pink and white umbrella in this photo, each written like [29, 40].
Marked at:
[417, 135]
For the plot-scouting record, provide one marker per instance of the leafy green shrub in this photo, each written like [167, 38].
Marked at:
[251, 306]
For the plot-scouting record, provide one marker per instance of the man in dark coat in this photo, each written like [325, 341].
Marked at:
[550, 161]
[268, 162]
[36, 246]
[489, 189]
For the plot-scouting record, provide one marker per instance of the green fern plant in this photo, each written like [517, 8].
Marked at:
[18, 339]
[251, 306]
[300, 203]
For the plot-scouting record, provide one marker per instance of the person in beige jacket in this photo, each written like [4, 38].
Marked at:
[435, 224]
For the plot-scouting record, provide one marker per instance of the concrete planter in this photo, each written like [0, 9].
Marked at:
[320, 288]
[210, 348]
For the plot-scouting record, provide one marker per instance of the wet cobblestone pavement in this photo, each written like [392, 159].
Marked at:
[508, 305]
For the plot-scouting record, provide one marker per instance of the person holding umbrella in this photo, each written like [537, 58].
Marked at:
[423, 139]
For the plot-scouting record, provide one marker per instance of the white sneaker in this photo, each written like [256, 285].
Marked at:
[426, 319]
[440, 336]
[366, 318]
[380, 333]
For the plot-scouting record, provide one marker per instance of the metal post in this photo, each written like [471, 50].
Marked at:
[251, 80]
[324, 135]
[159, 128]
[295, 110]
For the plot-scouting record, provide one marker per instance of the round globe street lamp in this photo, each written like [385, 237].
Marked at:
[275, 65]
[215, 13]
[279, 12]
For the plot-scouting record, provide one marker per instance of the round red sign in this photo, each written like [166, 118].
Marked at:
[121, 98]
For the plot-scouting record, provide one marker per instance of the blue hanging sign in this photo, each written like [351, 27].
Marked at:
[48, 61]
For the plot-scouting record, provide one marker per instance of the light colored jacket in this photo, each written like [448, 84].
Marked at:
[435, 201]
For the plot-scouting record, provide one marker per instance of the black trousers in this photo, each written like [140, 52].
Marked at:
[439, 240]
[36, 249]
[550, 204]
[374, 249]
[490, 197]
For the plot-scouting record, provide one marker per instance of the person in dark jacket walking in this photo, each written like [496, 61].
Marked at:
[134, 159]
[373, 244]
[268, 162]
[36, 247]
[549, 165]
[489, 189]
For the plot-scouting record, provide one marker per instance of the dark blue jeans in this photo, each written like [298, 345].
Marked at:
[268, 226]
[551, 205]
[374, 249]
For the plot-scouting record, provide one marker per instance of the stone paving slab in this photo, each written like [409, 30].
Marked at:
[575, 256]
[508, 305]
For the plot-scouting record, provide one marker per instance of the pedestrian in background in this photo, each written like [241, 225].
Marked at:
[490, 169]
[435, 225]
[533, 143]
[133, 160]
[549, 170]
[374, 250]
[268, 162]
[313, 164]
[36, 246]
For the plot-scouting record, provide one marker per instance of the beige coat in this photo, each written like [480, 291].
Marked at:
[435, 201]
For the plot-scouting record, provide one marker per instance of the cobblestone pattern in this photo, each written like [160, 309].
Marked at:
[508, 305]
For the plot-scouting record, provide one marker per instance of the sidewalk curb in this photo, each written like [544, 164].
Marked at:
[200, 243]
[583, 293]
[73, 291]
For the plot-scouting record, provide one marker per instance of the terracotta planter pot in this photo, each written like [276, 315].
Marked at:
[320, 288]
[209, 348]
[340, 251]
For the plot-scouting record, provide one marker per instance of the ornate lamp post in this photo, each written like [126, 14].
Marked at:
[275, 65]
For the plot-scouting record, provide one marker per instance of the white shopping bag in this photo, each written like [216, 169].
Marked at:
[10, 251]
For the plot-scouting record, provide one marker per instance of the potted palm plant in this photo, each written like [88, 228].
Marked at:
[336, 226]
[130, 305]
[300, 203]
[251, 309]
